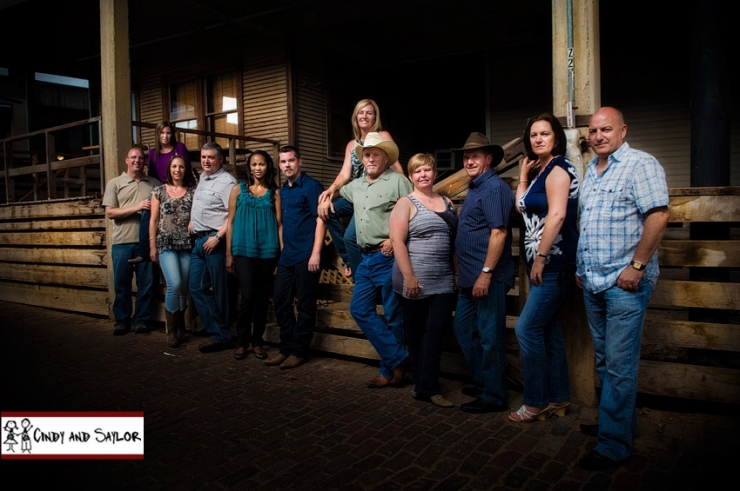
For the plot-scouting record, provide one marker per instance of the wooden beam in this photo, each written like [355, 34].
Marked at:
[688, 334]
[53, 238]
[705, 295]
[704, 208]
[48, 225]
[54, 255]
[55, 275]
[690, 381]
[45, 210]
[84, 301]
[705, 253]
[706, 191]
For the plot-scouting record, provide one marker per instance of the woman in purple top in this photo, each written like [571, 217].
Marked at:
[162, 153]
[165, 148]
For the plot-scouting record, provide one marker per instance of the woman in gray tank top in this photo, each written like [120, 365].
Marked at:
[422, 229]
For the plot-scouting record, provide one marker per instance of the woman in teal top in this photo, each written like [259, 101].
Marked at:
[253, 244]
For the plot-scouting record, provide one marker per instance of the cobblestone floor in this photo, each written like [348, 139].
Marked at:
[212, 422]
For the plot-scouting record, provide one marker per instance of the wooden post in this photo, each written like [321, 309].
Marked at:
[117, 136]
[586, 100]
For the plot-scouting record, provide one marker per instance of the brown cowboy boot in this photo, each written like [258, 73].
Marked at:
[180, 323]
[171, 319]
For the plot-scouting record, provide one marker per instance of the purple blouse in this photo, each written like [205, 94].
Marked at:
[158, 167]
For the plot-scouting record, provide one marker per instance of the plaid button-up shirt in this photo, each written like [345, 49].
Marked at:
[613, 208]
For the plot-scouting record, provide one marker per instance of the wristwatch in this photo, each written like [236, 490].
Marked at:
[487, 270]
[218, 237]
[637, 265]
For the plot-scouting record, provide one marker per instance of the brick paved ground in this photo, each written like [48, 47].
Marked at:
[213, 423]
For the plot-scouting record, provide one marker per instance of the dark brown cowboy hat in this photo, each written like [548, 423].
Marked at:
[479, 140]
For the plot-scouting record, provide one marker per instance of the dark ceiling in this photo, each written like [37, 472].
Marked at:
[64, 37]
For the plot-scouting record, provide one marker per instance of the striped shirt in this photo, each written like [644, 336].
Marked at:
[613, 208]
[487, 206]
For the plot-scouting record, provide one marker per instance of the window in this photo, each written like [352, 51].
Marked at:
[222, 115]
[183, 103]
[211, 103]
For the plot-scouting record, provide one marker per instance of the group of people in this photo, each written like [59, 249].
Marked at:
[407, 246]
[200, 233]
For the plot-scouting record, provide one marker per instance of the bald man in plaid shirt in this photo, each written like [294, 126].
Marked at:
[623, 214]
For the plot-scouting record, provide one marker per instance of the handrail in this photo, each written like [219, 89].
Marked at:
[48, 130]
[89, 154]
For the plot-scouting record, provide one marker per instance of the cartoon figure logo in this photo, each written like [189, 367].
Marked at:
[11, 427]
[25, 437]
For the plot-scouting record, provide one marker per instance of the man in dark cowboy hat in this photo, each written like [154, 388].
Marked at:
[485, 274]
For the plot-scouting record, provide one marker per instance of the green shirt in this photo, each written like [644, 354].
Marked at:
[373, 203]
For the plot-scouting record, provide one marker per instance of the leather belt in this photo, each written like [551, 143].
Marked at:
[371, 249]
[198, 235]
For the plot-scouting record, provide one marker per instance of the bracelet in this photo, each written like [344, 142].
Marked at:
[152, 238]
[539, 254]
[523, 181]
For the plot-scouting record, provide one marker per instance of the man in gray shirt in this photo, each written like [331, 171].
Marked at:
[208, 222]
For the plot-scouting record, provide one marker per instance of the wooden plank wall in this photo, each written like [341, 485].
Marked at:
[52, 254]
[265, 93]
[699, 370]
[311, 115]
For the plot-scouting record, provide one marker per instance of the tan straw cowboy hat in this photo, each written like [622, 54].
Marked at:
[373, 140]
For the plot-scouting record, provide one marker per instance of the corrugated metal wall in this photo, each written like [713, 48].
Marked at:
[311, 116]
[265, 93]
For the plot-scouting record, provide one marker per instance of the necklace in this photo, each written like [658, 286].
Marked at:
[176, 192]
[419, 196]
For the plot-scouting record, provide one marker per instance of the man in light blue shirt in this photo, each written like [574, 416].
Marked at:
[623, 214]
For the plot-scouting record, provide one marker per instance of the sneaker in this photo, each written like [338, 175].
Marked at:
[141, 329]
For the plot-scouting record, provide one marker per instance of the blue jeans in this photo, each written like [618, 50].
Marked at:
[541, 343]
[296, 332]
[209, 288]
[384, 332]
[176, 270]
[142, 248]
[345, 240]
[123, 274]
[480, 329]
[615, 318]
[425, 321]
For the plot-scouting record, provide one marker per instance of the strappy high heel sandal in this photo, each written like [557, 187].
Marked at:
[524, 415]
[558, 409]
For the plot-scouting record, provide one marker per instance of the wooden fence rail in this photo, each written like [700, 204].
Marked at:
[52, 254]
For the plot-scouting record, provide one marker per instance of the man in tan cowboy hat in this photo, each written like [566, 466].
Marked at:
[485, 274]
[373, 197]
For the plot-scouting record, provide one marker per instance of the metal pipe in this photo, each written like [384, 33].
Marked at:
[569, 120]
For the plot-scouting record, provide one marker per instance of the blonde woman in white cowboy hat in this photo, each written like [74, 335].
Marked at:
[365, 119]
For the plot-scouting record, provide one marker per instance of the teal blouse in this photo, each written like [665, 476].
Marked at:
[255, 231]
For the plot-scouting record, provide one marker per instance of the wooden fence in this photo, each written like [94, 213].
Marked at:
[52, 254]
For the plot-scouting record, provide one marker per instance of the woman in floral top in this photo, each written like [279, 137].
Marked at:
[547, 198]
[171, 203]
